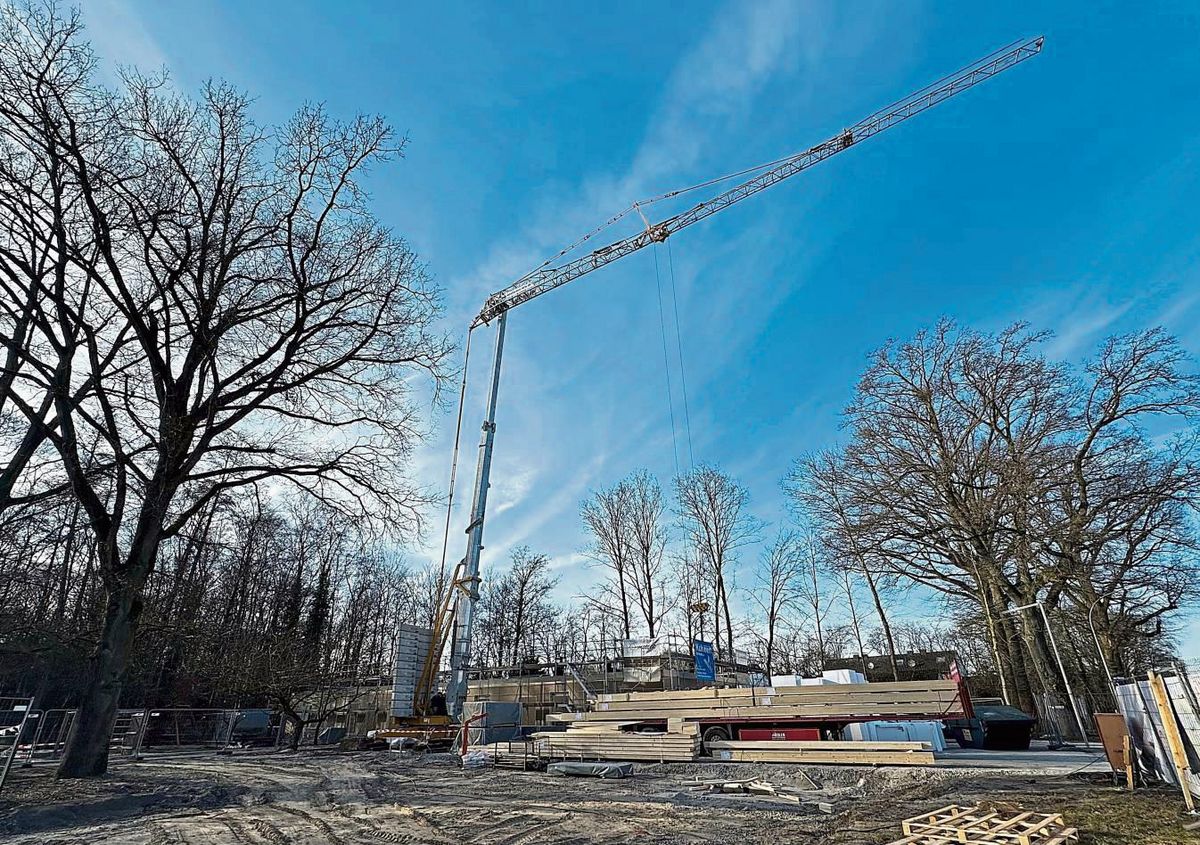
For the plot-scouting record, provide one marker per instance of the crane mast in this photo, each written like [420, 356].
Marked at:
[550, 276]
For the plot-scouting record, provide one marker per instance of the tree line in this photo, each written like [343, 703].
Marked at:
[976, 471]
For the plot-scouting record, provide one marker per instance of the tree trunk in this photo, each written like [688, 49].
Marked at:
[883, 621]
[1037, 647]
[855, 623]
[728, 617]
[989, 619]
[770, 667]
[86, 754]
[624, 600]
[1014, 663]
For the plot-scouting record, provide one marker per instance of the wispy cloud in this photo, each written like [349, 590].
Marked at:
[710, 90]
[712, 85]
[121, 38]
[1081, 317]
[708, 103]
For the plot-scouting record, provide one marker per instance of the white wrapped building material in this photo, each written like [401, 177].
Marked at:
[895, 731]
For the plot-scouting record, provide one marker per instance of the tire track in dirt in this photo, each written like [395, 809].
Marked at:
[331, 835]
[240, 834]
[270, 832]
[160, 834]
[373, 824]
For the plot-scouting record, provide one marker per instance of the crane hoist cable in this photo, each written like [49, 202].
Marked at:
[462, 397]
[549, 276]
[662, 325]
[687, 417]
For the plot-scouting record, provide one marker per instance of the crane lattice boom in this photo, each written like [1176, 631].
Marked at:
[544, 278]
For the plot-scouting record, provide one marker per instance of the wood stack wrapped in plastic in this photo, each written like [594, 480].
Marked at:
[823, 752]
[678, 743]
[832, 702]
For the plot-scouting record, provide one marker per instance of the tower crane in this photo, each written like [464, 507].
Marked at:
[556, 273]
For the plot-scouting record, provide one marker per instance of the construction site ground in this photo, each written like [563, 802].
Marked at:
[353, 798]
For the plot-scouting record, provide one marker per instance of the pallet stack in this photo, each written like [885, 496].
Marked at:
[823, 752]
[680, 743]
[975, 826]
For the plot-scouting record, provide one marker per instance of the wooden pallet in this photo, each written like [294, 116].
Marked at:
[975, 826]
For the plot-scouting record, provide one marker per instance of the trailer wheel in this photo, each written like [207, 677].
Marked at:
[714, 733]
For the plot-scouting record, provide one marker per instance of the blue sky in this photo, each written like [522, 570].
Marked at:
[1062, 193]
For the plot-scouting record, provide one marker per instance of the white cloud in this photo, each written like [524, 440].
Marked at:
[120, 38]
[713, 85]
[701, 121]
[1081, 318]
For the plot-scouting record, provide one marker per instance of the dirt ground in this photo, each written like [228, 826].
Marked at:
[314, 798]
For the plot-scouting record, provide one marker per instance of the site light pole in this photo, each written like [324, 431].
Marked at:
[1058, 659]
[1112, 686]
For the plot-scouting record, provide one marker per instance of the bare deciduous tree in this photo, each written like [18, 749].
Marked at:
[818, 490]
[712, 509]
[777, 587]
[515, 613]
[217, 308]
[647, 535]
[604, 516]
[982, 471]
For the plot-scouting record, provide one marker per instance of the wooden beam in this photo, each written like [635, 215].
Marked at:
[1166, 712]
[817, 745]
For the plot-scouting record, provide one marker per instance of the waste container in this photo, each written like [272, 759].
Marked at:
[995, 727]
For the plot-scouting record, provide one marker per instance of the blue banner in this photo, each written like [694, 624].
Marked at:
[706, 666]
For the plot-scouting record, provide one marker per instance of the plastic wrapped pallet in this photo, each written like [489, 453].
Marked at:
[607, 771]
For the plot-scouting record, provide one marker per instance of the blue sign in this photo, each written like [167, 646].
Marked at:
[706, 666]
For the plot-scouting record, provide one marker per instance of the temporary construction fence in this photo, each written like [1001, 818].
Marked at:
[1056, 720]
[1164, 751]
[137, 731]
[14, 718]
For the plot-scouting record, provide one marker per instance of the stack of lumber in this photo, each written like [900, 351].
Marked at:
[823, 752]
[609, 741]
[933, 699]
[976, 826]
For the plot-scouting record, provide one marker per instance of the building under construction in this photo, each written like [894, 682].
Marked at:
[640, 665]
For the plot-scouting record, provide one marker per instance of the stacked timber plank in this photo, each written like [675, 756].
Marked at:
[614, 741]
[932, 699]
[824, 752]
[975, 826]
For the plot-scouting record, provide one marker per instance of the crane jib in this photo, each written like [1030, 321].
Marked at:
[547, 278]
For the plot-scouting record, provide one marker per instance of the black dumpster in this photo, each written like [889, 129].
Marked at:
[994, 727]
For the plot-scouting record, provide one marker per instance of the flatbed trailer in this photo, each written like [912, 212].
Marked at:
[721, 728]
